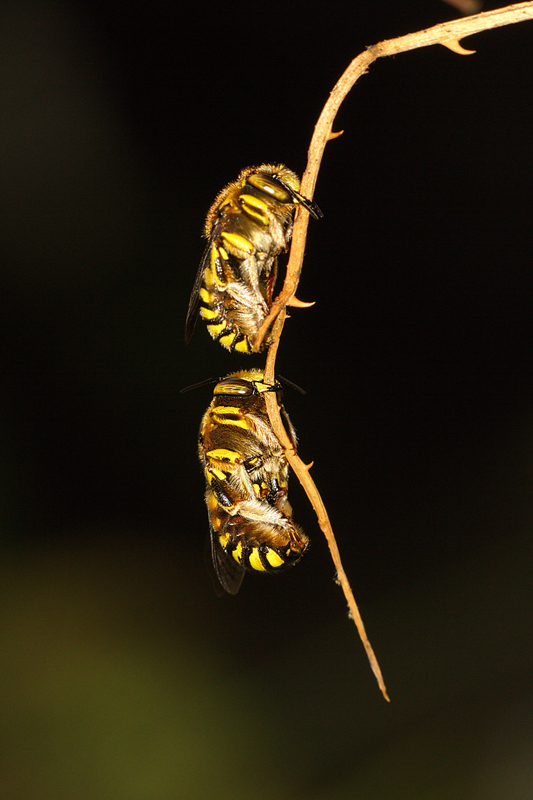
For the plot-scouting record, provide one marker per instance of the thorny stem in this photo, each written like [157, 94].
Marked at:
[447, 34]
[301, 471]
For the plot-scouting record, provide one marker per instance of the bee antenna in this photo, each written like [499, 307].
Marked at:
[313, 208]
[295, 386]
[198, 385]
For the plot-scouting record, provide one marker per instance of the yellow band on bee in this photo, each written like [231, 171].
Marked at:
[221, 454]
[255, 202]
[242, 346]
[227, 202]
[255, 561]
[208, 313]
[208, 278]
[217, 473]
[238, 242]
[223, 415]
[215, 329]
[228, 339]
[223, 411]
[273, 559]
[255, 208]
[237, 553]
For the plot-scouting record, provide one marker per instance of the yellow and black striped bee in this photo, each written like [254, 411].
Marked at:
[248, 226]
[246, 471]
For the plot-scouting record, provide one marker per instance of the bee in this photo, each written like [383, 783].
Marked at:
[248, 226]
[246, 472]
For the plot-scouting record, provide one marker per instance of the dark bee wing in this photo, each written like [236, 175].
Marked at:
[194, 302]
[226, 569]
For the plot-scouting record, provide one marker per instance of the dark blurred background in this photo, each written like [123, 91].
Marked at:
[122, 674]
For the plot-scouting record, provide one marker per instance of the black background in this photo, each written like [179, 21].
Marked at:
[126, 676]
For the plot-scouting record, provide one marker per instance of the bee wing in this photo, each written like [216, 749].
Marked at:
[228, 573]
[194, 302]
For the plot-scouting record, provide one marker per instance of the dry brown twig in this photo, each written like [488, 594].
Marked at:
[449, 35]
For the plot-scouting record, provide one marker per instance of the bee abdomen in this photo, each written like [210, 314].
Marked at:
[264, 557]
[221, 328]
[216, 310]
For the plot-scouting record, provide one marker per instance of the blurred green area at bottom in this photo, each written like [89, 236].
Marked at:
[116, 684]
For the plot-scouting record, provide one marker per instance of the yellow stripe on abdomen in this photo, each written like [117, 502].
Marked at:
[274, 559]
[237, 553]
[254, 559]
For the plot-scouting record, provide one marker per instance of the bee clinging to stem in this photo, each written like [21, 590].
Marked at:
[248, 226]
[246, 472]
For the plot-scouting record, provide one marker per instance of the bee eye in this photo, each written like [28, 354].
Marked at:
[234, 386]
[270, 186]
